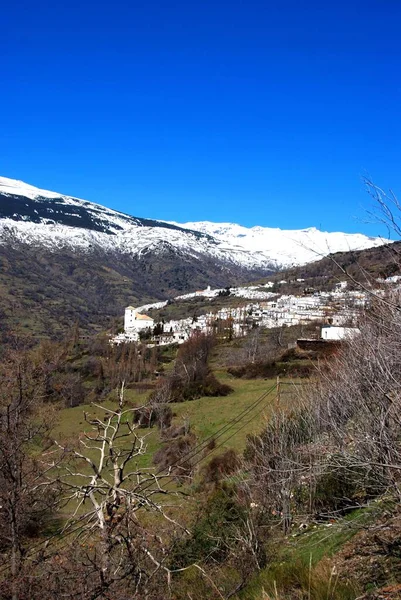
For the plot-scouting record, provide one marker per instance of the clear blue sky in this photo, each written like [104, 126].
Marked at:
[256, 112]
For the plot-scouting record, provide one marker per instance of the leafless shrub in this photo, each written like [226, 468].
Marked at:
[279, 460]
[26, 501]
[357, 398]
[153, 414]
[342, 444]
[220, 466]
[172, 456]
[191, 377]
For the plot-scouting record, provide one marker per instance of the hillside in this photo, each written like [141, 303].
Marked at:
[338, 540]
[366, 267]
[65, 260]
[363, 266]
[44, 293]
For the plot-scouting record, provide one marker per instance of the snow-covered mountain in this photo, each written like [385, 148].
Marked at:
[55, 221]
[285, 247]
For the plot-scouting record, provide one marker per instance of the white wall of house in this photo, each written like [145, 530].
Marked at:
[339, 333]
[132, 322]
[129, 318]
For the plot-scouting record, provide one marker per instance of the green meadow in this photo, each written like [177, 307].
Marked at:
[206, 416]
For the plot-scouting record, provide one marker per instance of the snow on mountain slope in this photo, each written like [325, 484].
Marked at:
[285, 247]
[13, 186]
[53, 220]
[20, 201]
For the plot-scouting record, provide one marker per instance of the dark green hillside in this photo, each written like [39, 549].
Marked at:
[43, 293]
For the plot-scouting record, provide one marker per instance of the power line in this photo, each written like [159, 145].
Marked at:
[216, 435]
[188, 456]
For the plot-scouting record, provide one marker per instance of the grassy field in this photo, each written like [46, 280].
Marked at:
[208, 415]
[205, 415]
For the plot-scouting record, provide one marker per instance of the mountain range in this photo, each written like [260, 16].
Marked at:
[63, 258]
[54, 220]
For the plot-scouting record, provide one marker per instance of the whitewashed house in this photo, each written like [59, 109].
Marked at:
[136, 322]
[339, 333]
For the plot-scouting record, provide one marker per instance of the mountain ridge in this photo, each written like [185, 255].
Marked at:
[286, 247]
[54, 220]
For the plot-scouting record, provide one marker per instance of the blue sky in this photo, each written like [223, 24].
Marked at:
[257, 112]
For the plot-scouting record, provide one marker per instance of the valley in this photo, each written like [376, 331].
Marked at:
[200, 301]
[219, 446]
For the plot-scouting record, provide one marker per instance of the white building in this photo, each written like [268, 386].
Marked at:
[339, 333]
[135, 322]
[340, 308]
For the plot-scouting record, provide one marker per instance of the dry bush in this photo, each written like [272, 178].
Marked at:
[191, 377]
[175, 431]
[27, 502]
[279, 461]
[342, 446]
[220, 466]
[67, 388]
[131, 363]
[172, 456]
[299, 580]
[153, 414]
[75, 570]
[357, 398]
[269, 370]
[226, 541]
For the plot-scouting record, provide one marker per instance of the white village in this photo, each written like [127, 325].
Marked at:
[337, 310]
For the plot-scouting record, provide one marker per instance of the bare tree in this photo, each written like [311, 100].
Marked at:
[107, 487]
[252, 345]
[386, 209]
[358, 398]
[342, 446]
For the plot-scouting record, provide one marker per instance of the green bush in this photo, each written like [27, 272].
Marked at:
[212, 532]
[344, 486]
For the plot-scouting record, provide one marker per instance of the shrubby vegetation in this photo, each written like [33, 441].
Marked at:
[191, 377]
[97, 514]
[333, 449]
[340, 446]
